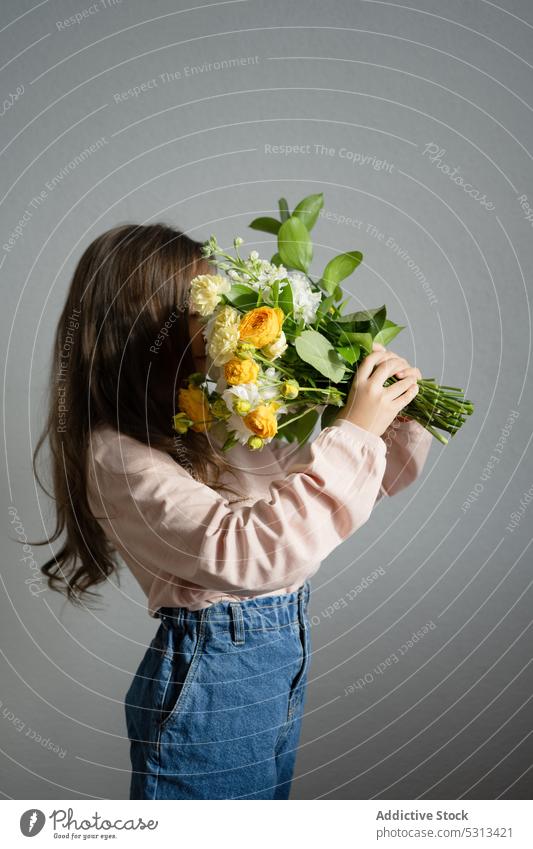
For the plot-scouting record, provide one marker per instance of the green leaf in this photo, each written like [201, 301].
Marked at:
[285, 300]
[294, 244]
[241, 296]
[350, 337]
[276, 260]
[231, 440]
[375, 323]
[308, 209]
[315, 349]
[324, 305]
[339, 268]
[340, 307]
[351, 353]
[388, 332]
[367, 316]
[283, 209]
[347, 336]
[266, 225]
[365, 340]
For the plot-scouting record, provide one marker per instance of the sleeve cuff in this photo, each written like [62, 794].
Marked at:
[361, 434]
[414, 429]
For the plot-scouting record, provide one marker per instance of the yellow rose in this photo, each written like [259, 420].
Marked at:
[262, 421]
[193, 401]
[241, 371]
[261, 326]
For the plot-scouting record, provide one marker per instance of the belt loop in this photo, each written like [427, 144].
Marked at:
[171, 616]
[161, 613]
[238, 622]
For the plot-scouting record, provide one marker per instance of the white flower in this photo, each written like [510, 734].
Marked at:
[305, 301]
[276, 348]
[255, 394]
[242, 432]
[206, 291]
[244, 392]
[268, 274]
[222, 333]
[265, 381]
[259, 274]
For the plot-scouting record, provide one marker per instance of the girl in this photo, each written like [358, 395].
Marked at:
[222, 545]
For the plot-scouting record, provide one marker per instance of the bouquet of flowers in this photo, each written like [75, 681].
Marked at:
[285, 349]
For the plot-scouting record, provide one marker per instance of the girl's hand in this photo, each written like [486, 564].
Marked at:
[370, 404]
[408, 371]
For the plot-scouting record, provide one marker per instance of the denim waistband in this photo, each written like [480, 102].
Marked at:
[259, 613]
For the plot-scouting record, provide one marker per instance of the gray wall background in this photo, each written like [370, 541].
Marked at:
[452, 718]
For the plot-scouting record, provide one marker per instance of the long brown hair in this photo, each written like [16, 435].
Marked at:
[121, 351]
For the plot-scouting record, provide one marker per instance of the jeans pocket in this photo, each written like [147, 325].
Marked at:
[302, 629]
[179, 670]
[139, 698]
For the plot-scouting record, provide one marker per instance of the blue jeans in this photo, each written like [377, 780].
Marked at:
[215, 708]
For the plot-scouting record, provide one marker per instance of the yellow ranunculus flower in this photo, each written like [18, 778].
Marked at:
[193, 401]
[261, 326]
[241, 371]
[262, 421]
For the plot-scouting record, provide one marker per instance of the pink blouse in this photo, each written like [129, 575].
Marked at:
[188, 546]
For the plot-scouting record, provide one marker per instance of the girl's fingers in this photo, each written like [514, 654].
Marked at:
[399, 387]
[370, 361]
[411, 371]
[408, 370]
[403, 400]
[386, 369]
[405, 363]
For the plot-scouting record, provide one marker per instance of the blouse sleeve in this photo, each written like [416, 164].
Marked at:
[162, 516]
[406, 455]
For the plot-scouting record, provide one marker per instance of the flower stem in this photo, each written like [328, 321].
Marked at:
[299, 416]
